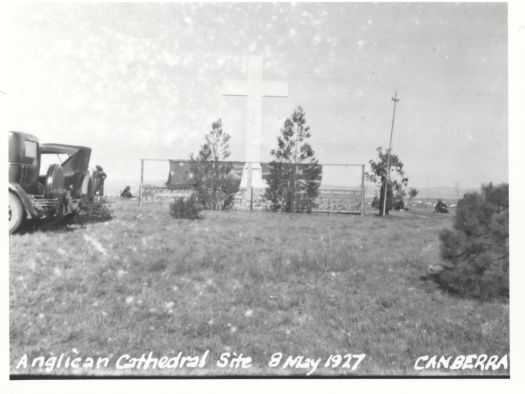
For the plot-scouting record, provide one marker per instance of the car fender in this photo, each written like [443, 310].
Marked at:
[24, 199]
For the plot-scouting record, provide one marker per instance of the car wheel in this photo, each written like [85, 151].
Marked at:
[16, 212]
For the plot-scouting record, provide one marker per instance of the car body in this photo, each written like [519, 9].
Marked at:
[38, 190]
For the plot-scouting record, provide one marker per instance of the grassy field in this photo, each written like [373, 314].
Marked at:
[255, 283]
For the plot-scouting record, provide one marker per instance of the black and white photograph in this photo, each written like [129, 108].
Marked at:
[257, 190]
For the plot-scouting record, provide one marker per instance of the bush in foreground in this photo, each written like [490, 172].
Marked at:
[185, 208]
[476, 251]
[99, 208]
[95, 211]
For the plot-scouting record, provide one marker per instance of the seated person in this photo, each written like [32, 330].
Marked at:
[126, 193]
[441, 207]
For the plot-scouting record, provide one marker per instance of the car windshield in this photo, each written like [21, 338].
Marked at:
[47, 159]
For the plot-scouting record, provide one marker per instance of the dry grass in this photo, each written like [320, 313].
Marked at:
[249, 282]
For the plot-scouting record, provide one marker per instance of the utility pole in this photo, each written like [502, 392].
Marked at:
[387, 177]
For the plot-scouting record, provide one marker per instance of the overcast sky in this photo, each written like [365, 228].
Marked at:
[144, 80]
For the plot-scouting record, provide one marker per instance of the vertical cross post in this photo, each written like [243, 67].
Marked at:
[254, 88]
[249, 187]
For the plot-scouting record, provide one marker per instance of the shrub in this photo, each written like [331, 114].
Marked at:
[476, 251]
[100, 208]
[185, 208]
[397, 180]
[95, 211]
[398, 205]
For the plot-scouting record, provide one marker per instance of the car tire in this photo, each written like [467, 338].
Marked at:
[16, 212]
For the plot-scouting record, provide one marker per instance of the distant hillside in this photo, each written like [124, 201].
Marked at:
[446, 192]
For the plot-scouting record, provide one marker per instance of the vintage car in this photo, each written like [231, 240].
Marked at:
[46, 180]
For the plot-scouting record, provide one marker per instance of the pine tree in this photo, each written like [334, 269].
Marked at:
[293, 178]
[476, 250]
[215, 188]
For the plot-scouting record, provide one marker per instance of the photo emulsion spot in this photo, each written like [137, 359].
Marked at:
[258, 190]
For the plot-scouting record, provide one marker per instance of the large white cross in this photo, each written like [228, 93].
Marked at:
[254, 88]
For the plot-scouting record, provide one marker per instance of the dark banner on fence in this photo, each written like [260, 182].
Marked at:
[304, 172]
[183, 173]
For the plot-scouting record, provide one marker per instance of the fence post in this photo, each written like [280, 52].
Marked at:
[362, 190]
[141, 181]
[251, 198]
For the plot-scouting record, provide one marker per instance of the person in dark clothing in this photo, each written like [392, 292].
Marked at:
[98, 176]
[389, 196]
[126, 193]
[441, 207]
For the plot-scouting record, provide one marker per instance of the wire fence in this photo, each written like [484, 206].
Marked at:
[341, 187]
